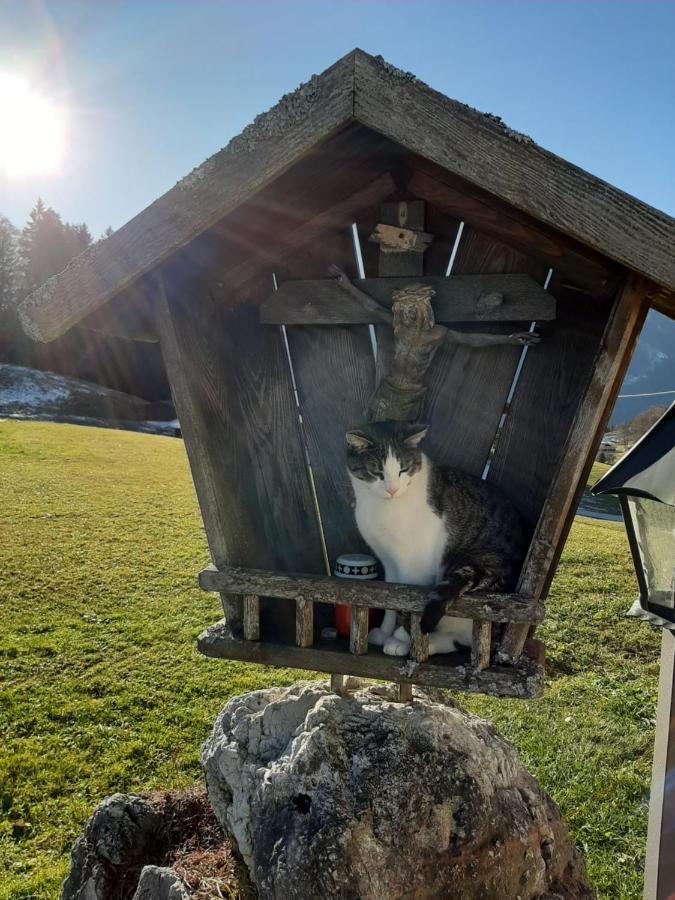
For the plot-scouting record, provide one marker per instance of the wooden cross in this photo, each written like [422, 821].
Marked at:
[404, 300]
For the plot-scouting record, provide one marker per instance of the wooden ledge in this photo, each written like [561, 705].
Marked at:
[373, 594]
[524, 680]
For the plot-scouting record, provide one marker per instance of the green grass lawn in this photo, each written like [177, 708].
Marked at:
[102, 689]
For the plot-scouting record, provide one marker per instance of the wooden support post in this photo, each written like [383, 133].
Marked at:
[480, 644]
[405, 691]
[358, 631]
[419, 642]
[304, 622]
[337, 683]
[660, 860]
[252, 617]
[618, 342]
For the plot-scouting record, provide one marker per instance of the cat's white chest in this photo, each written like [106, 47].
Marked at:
[406, 534]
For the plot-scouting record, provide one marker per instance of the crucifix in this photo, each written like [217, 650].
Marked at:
[403, 298]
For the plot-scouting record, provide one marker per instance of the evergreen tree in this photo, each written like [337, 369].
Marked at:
[9, 322]
[47, 245]
[8, 263]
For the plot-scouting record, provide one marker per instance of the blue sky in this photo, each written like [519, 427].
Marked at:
[154, 87]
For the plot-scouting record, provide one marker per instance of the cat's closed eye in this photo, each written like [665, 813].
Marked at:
[407, 469]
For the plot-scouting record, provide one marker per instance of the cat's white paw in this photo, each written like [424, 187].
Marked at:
[401, 634]
[377, 637]
[394, 647]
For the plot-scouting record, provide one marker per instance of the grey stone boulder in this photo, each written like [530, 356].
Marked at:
[357, 796]
[160, 883]
[155, 846]
[118, 839]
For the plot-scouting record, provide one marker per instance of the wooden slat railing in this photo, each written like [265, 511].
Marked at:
[484, 609]
[367, 594]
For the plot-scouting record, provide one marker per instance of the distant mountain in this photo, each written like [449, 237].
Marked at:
[652, 369]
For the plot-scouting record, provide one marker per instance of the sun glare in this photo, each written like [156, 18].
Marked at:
[32, 130]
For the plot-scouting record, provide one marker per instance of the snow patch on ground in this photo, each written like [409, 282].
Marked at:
[31, 394]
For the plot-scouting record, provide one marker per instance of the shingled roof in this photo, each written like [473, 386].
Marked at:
[477, 147]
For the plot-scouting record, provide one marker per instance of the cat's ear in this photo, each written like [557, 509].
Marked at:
[416, 436]
[356, 440]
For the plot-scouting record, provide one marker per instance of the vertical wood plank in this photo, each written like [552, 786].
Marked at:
[552, 382]
[480, 644]
[337, 683]
[405, 692]
[304, 623]
[252, 617]
[585, 432]
[468, 386]
[335, 376]
[230, 383]
[358, 631]
[419, 642]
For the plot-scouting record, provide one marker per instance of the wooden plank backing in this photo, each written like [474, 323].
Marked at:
[609, 366]
[468, 386]
[238, 416]
[614, 352]
[552, 382]
[334, 374]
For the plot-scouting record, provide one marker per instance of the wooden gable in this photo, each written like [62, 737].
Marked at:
[264, 398]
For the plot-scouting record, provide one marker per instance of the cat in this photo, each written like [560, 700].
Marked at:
[430, 526]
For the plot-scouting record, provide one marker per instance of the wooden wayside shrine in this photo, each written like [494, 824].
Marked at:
[369, 249]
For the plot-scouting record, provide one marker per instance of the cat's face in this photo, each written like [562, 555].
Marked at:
[385, 456]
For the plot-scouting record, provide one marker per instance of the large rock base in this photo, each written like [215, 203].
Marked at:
[361, 797]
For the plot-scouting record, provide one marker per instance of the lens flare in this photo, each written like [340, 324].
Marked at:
[32, 130]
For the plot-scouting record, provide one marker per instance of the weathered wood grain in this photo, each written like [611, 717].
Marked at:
[524, 680]
[582, 267]
[480, 644]
[551, 384]
[358, 630]
[410, 262]
[304, 622]
[405, 692]
[484, 152]
[458, 299]
[252, 617]
[476, 148]
[590, 418]
[271, 250]
[239, 421]
[419, 642]
[334, 373]
[468, 386]
[396, 239]
[337, 683]
[364, 594]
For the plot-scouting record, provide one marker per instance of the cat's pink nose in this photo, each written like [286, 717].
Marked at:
[391, 490]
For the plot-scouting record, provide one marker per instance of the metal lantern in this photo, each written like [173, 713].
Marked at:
[644, 481]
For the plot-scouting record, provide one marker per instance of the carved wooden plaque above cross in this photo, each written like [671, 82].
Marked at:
[414, 305]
